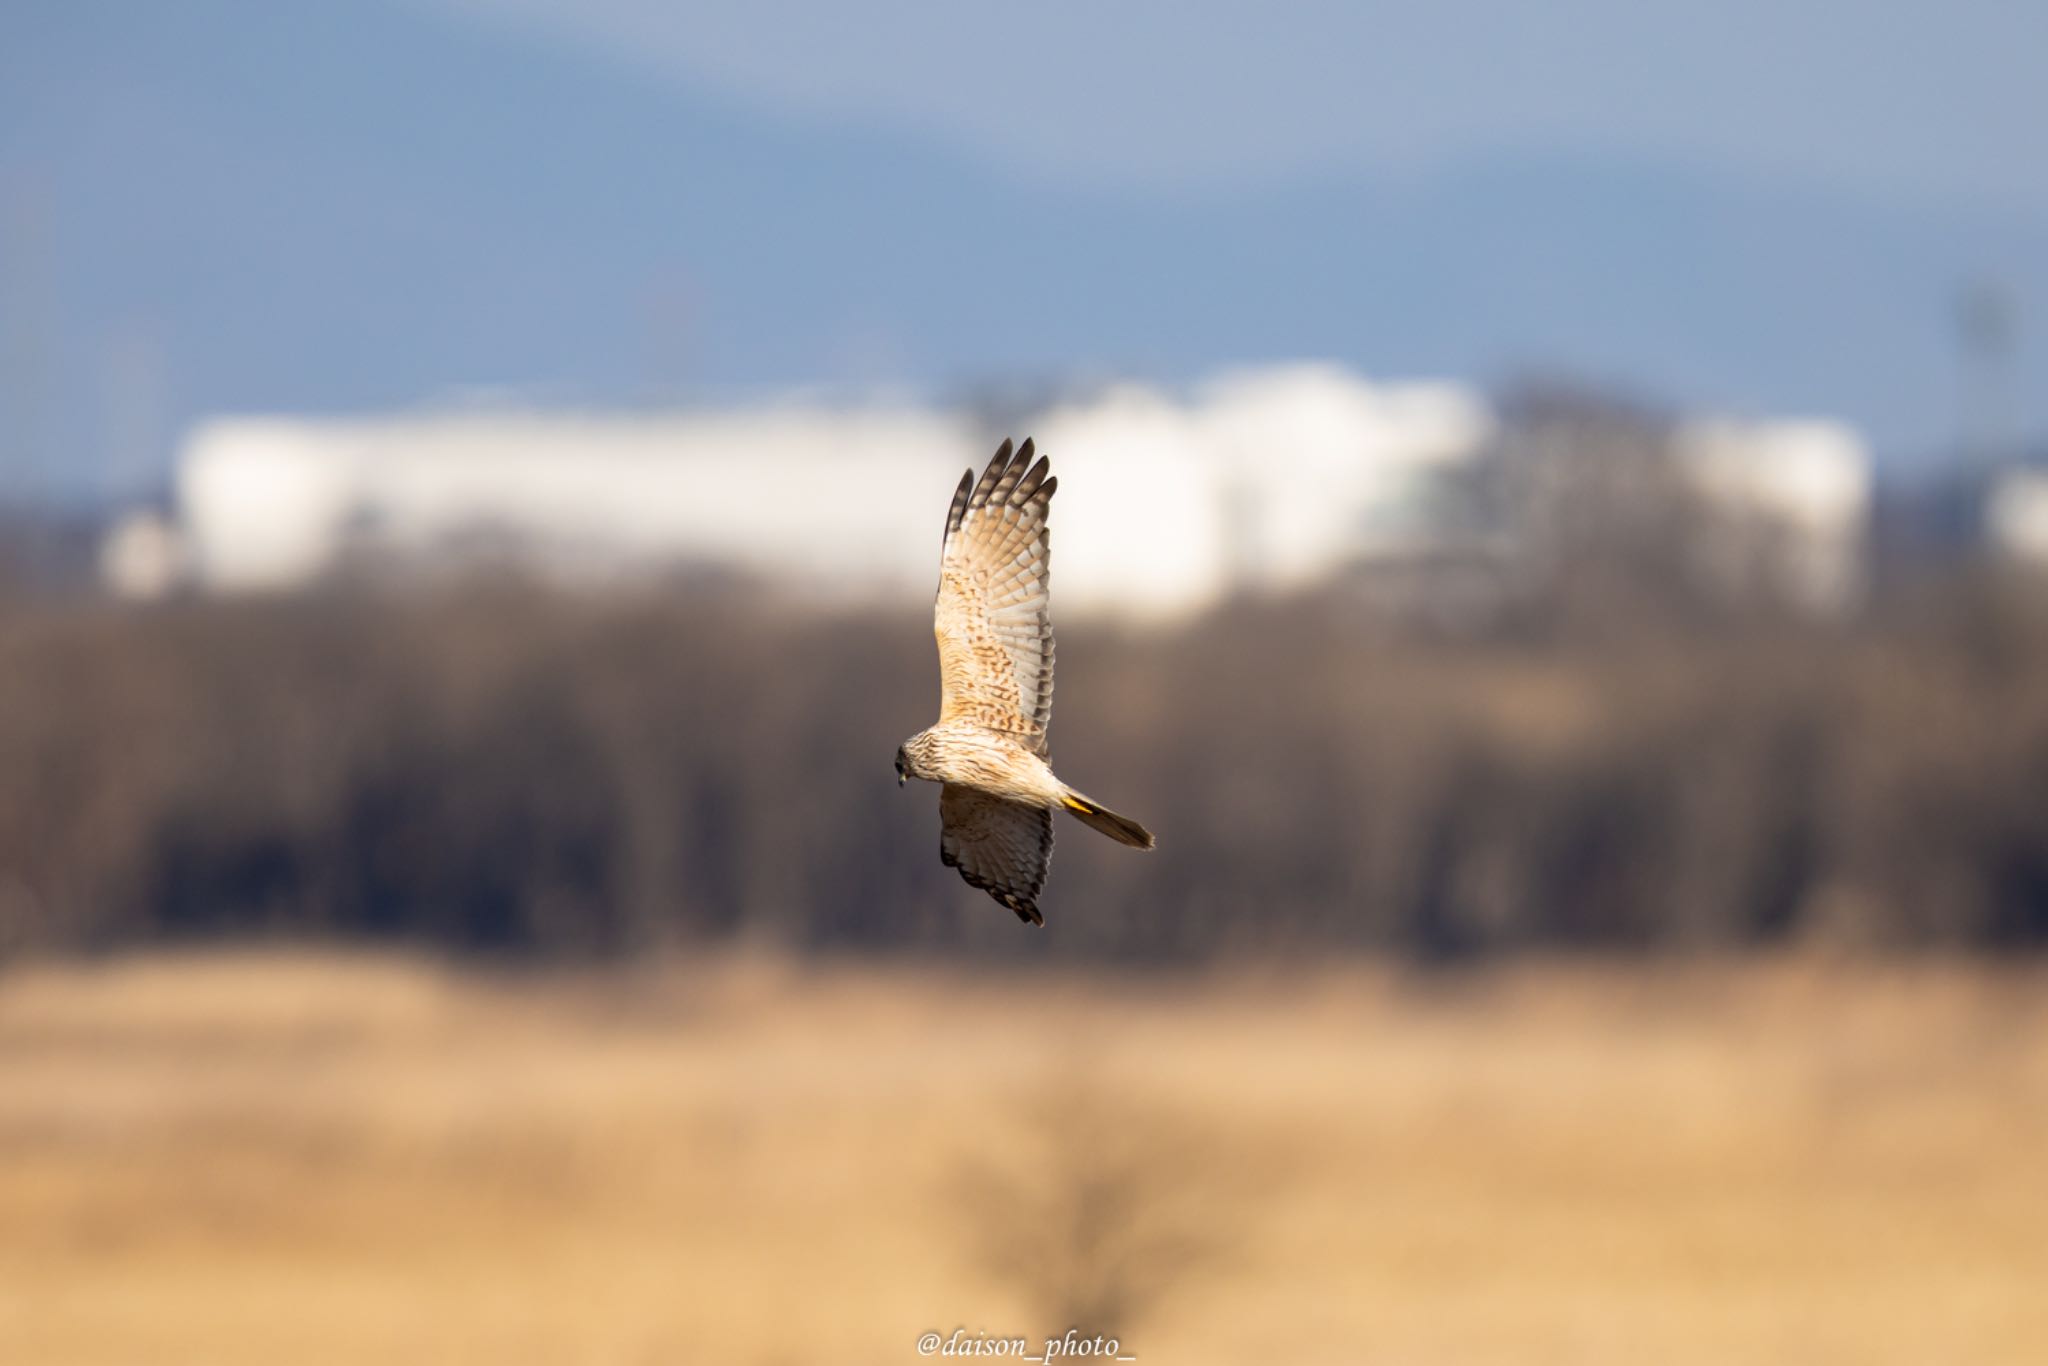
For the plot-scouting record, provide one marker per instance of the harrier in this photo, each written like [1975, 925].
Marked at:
[995, 673]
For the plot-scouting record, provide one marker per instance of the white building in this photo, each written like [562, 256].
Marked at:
[1264, 479]
[1804, 485]
[1260, 480]
[825, 497]
[2016, 515]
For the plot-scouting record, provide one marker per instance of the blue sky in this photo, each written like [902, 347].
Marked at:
[1924, 104]
[358, 206]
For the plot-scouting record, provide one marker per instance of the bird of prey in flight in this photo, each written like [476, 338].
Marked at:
[988, 749]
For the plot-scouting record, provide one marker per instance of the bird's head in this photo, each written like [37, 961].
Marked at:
[914, 759]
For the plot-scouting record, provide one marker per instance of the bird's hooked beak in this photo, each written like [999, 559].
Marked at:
[901, 777]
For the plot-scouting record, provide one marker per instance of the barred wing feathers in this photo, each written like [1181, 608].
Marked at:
[1002, 847]
[995, 637]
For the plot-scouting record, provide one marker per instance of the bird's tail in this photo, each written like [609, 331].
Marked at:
[1122, 829]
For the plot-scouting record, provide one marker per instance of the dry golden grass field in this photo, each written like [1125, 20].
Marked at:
[296, 1159]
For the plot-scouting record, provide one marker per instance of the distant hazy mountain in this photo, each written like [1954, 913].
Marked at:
[214, 206]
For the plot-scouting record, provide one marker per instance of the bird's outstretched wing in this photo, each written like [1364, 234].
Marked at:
[1000, 846]
[995, 639]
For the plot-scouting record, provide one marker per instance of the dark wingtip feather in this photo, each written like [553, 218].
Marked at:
[957, 513]
[1029, 484]
[1006, 483]
[1026, 911]
[998, 465]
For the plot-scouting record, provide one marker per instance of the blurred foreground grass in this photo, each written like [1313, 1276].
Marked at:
[232, 1159]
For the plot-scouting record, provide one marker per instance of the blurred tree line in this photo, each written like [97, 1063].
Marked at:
[1595, 718]
[504, 768]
